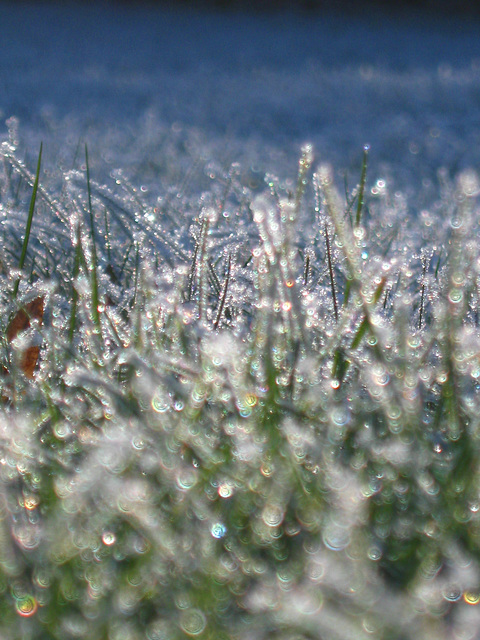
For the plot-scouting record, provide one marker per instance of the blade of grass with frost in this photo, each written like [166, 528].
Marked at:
[200, 265]
[306, 269]
[360, 205]
[330, 272]
[275, 225]
[137, 307]
[76, 271]
[361, 191]
[191, 275]
[340, 361]
[130, 220]
[353, 263]
[107, 238]
[136, 273]
[320, 203]
[95, 302]
[125, 260]
[213, 279]
[304, 165]
[28, 228]
[366, 323]
[438, 263]
[223, 297]
[422, 294]
[54, 205]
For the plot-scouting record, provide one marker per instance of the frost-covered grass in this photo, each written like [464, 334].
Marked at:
[254, 412]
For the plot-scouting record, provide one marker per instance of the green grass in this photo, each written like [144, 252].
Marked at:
[252, 416]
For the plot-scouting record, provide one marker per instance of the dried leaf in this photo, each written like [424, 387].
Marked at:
[21, 322]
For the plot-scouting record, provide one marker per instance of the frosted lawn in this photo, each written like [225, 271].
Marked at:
[254, 411]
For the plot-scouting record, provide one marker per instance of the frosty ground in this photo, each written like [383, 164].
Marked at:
[239, 374]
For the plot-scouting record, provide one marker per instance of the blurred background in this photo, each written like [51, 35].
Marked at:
[248, 81]
[461, 6]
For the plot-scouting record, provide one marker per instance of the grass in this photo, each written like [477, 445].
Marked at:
[250, 416]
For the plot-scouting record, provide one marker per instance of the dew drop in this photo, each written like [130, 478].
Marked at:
[374, 553]
[218, 530]
[158, 404]
[452, 593]
[335, 537]
[455, 296]
[225, 490]
[471, 597]
[272, 515]
[108, 538]
[26, 606]
[193, 622]
[186, 479]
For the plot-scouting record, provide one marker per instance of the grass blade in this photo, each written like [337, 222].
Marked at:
[224, 294]
[330, 271]
[76, 271]
[363, 179]
[93, 271]
[28, 228]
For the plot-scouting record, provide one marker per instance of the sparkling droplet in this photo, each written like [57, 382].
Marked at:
[471, 597]
[108, 538]
[452, 593]
[26, 606]
[225, 490]
[272, 515]
[193, 622]
[158, 404]
[218, 530]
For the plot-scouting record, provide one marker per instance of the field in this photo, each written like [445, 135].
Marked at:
[246, 412]
[240, 356]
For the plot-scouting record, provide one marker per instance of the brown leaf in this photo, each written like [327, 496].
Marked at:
[20, 322]
[29, 360]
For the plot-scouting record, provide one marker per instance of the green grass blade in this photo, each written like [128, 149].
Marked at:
[28, 228]
[330, 271]
[366, 322]
[76, 271]
[361, 192]
[95, 302]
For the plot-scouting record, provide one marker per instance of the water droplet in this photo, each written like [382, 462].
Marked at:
[267, 469]
[26, 606]
[159, 404]
[455, 296]
[272, 515]
[471, 597]
[374, 553]
[218, 530]
[335, 537]
[31, 502]
[192, 622]
[452, 592]
[186, 479]
[225, 490]
[108, 538]
[340, 416]
[138, 443]
[251, 399]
